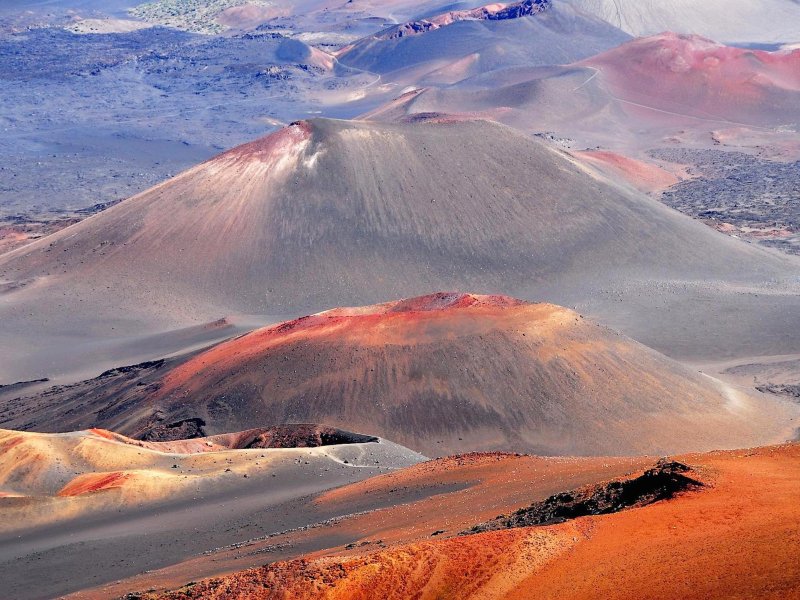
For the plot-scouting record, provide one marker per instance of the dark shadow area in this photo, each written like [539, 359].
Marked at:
[665, 480]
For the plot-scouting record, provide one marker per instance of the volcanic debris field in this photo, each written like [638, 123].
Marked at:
[755, 198]
[191, 15]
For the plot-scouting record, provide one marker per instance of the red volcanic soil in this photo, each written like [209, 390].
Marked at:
[454, 372]
[690, 75]
[16, 235]
[409, 321]
[9, 443]
[109, 435]
[437, 301]
[644, 176]
[734, 537]
[446, 495]
[93, 482]
[486, 485]
[268, 148]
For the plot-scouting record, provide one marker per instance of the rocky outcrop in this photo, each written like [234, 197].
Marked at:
[492, 12]
[665, 480]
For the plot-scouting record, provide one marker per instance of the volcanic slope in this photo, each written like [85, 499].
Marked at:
[727, 521]
[451, 46]
[633, 96]
[739, 21]
[338, 213]
[447, 373]
[251, 526]
[130, 506]
[54, 476]
[693, 76]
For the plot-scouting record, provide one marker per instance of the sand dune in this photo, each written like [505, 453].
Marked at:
[57, 478]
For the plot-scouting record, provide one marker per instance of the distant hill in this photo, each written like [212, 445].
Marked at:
[440, 374]
[460, 43]
[741, 21]
[334, 213]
